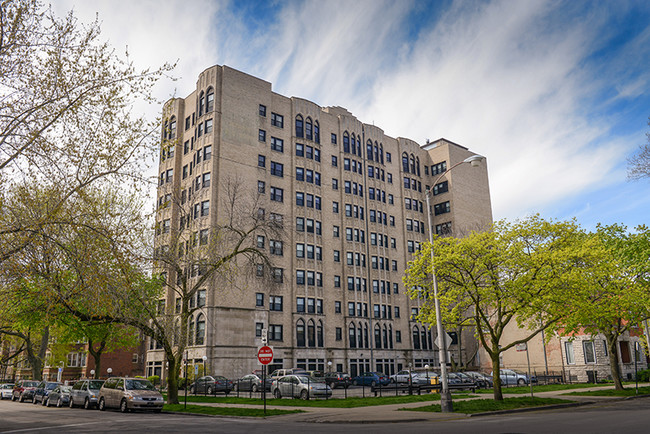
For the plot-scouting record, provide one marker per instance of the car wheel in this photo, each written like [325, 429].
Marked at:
[209, 390]
[373, 383]
[59, 403]
[102, 404]
[124, 407]
[355, 383]
[192, 390]
[71, 403]
[21, 398]
[13, 397]
[277, 394]
[304, 395]
[254, 388]
[45, 402]
[87, 405]
[521, 382]
[34, 400]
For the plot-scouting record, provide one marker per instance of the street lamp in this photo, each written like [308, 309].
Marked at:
[329, 366]
[426, 367]
[204, 359]
[109, 371]
[92, 373]
[446, 405]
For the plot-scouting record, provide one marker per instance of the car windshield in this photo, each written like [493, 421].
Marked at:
[51, 386]
[139, 385]
[7, 386]
[66, 388]
[305, 379]
[95, 384]
[30, 384]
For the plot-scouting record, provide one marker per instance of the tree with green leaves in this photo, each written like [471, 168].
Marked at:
[615, 298]
[517, 273]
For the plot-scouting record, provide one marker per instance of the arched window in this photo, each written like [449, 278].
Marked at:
[385, 334]
[369, 150]
[346, 142]
[353, 150]
[190, 332]
[200, 329]
[311, 333]
[316, 132]
[201, 104]
[172, 128]
[299, 127]
[381, 153]
[319, 334]
[359, 331]
[377, 336]
[164, 131]
[177, 333]
[352, 336]
[365, 336]
[308, 129]
[423, 335]
[390, 336]
[300, 333]
[417, 165]
[405, 162]
[209, 101]
[412, 164]
[376, 152]
[416, 338]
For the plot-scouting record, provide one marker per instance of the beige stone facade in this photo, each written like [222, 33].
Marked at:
[352, 202]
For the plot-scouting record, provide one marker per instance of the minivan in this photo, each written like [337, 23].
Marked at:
[130, 394]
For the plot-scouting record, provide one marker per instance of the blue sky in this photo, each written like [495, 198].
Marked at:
[556, 94]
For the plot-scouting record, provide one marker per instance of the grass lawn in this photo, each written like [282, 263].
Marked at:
[482, 405]
[226, 411]
[543, 388]
[350, 402]
[629, 391]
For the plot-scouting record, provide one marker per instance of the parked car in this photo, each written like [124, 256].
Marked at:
[252, 383]
[211, 385]
[129, 394]
[60, 396]
[24, 390]
[279, 373]
[417, 377]
[482, 380]
[511, 378]
[371, 379]
[338, 379]
[86, 393]
[5, 390]
[460, 378]
[43, 390]
[300, 386]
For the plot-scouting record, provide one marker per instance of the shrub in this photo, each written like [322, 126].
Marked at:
[643, 375]
[154, 379]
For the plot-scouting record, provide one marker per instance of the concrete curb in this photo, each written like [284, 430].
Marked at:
[527, 409]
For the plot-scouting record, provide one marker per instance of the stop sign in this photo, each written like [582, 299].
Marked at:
[265, 355]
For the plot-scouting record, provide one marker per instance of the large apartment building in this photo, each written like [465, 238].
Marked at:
[352, 202]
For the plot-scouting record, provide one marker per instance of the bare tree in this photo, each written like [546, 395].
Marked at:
[639, 164]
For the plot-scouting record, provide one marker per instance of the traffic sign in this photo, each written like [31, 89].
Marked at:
[521, 347]
[265, 355]
[447, 339]
[264, 336]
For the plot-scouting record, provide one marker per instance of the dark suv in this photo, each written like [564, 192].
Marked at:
[24, 390]
[338, 379]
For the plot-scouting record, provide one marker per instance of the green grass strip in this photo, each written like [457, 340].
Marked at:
[543, 388]
[226, 411]
[630, 391]
[483, 405]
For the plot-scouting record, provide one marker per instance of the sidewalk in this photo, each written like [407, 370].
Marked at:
[391, 413]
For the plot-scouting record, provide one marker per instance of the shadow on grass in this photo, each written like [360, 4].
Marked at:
[226, 411]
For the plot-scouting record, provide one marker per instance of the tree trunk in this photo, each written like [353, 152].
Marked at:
[97, 355]
[173, 373]
[615, 368]
[496, 374]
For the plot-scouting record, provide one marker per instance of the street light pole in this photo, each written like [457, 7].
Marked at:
[446, 404]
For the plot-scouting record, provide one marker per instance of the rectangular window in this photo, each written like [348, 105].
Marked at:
[277, 169]
[275, 247]
[339, 334]
[262, 110]
[258, 329]
[441, 208]
[208, 126]
[206, 179]
[205, 208]
[260, 241]
[568, 349]
[261, 136]
[300, 304]
[276, 194]
[333, 139]
[259, 299]
[261, 161]
[261, 187]
[300, 198]
[277, 144]
[300, 250]
[275, 303]
[442, 187]
[275, 332]
[300, 224]
[337, 281]
[277, 120]
[334, 161]
[277, 275]
[588, 349]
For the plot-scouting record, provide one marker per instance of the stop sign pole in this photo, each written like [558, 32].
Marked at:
[265, 356]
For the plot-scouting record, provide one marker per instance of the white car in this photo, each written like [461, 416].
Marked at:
[6, 390]
[417, 377]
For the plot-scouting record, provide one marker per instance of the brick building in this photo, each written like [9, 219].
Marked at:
[352, 202]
